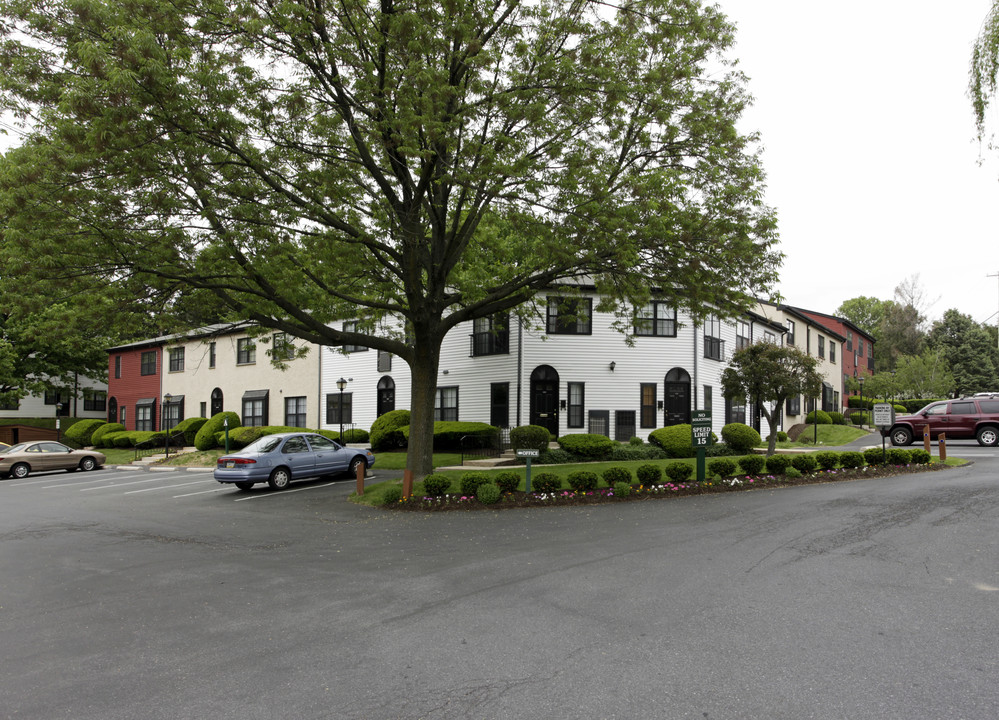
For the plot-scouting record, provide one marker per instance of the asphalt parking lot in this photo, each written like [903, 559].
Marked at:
[130, 594]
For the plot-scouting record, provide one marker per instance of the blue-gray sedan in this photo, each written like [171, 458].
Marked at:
[279, 459]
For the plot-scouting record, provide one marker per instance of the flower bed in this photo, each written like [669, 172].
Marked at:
[642, 493]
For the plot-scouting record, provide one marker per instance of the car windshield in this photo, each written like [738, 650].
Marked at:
[16, 448]
[263, 445]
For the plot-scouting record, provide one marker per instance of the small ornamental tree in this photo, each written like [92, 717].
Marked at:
[771, 374]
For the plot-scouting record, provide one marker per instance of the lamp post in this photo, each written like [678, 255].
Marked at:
[862, 408]
[58, 418]
[166, 401]
[341, 384]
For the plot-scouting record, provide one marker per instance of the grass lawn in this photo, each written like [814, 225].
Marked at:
[830, 436]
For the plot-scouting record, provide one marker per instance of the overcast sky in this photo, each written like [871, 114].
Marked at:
[870, 151]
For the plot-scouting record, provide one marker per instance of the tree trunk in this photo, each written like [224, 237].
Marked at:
[772, 442]
[420, 456]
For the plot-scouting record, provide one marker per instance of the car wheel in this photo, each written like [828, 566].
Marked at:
[987, 436]
[244, 485]
[901, 436]
[279, 479]
[88, 464]
[354, 464]
[20, 471]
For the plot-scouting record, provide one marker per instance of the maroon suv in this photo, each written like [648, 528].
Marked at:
[969, 417]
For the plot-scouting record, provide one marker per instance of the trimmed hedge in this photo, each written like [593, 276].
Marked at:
[820, 417]
[82, 431]
[837, 418]
[649, 474]
[899, 456]
[385, 430]
[582, 480]
[740, 437]
[530, 437]
[804, 463]
[616, 474]
[205, 437]
[722, 466]
[507, 481]
[752, 464]
[588, 445]
[874, 456]
[471, 481]
[189, 427]
[827, 459]
[678, 472]
[851, 459]
[546, 482]
[436, 484]
[675, 440]
[97, 438]
[778, 464]
[448, 434]
[920, 456]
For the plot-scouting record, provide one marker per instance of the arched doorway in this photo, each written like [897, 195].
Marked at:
[112, 410]
[386, 395]
[544, 398]
[677, 407]
[216, 402]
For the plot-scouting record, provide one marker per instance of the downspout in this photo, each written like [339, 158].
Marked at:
[319, 390]
[693, 390]
[520, 363]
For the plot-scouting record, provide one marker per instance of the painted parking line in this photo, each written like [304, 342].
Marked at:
[203, 492]
[163, 487]
[284, 492]
[77, 483]
[115, 485]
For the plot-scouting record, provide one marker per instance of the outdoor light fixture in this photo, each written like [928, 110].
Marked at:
[341, 384]
[612, 365]
[862, 408]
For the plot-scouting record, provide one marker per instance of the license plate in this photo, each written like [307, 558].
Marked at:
[230, 464]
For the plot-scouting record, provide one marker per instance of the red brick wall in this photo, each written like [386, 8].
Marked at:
[132, 385]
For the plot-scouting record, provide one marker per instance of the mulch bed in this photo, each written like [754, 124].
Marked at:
[603, 496]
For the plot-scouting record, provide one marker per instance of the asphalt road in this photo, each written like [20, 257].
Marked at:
[163, 595]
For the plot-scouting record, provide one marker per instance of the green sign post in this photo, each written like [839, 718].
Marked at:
[700, 430]
[527, 454]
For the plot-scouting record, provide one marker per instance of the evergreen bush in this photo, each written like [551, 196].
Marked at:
[487, 493]
[837, 418]
[97, 437]
[546, 482]
[820, 417]
[205, 438]
[529, 437]
[507, 481]
[804, 463]
[384, 431]
[752, 464]
[470, 482]
[649, 474]
[622, 489]
[391, 495]
[920, 456]
[899, 456]
[827, 459]
[874, 456]
[678, 471]
[617, 474]
[740, 437]
[722, 466]
[675, 440]
[588, 445]
[190, 427]
[792, 472]
[436, 485]
[851, 459]
[778, 464]
[82, 431]
[582, 480]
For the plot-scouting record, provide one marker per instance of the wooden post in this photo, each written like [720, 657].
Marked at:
[943, 447]
[361, 467]
[407, 483]
[926, 438]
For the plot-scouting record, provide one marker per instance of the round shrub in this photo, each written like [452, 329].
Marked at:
[740, 437]
[622, 489]
[827, 459]
[383, 435]
[675, 440]
[781, 436]
[546, 482]
[636, 441]
[487, 493]
[874, 456]
[528, 437]
[587, 445]
[617, 474]
[205, 439]
[436, 485]
[860, 418]
[722, 466]
[752, 464]
[678, 472]
[649, 474]
[470, 482]
[851, 459]
[899, 456]
[81, 432]
[120, 439]
[820, 417]
[392, 495]
[804, 463]
[582, 480]
[920, 456]
[355, 435]
[189, 427]
[837, 418]
[97, 438]
[792, 472]
[507, 481]
[777, 464]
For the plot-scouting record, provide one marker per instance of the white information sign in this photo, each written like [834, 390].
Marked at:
[883, 415]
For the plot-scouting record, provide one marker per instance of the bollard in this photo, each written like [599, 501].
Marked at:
[926, 438]
[407, 483]
[943, 447]
[361, 467]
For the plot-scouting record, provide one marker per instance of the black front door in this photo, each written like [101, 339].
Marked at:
[544, 398]
[386, 396]
[216, 401]
[677, 386]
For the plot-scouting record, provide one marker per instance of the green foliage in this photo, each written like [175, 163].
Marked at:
[778, 464]
[781, 436]
[969, 351]
[920, 456]
[827, 459]
[436, 484]
[804, 463]
[860, 418]
[556, 456]
[678, 471]
[546, 482]
[622, 453]
[740, 437]
[837, 418]
[616, 474]
[649, 474]
[636, 441]
[81, 432]
[675, 440]
[622, 489]
[899, 456]
[384, 431]
[529, 437]
[487, 493]
[120, 440]
[97, 438]
[820, 417]
[507, 481]
[447, 434]
[190, 427]
[353, 435]
[205, 437]
[722, 466]
[792, 472]
[582, 480]
[588, 445]
[851, 459]
[391, 495]
[470, 482]
[752, 464]
[874, 456]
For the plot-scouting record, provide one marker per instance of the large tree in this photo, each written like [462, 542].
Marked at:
[768, 374]
[969, 351]
[402, 165]
[985, 69]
